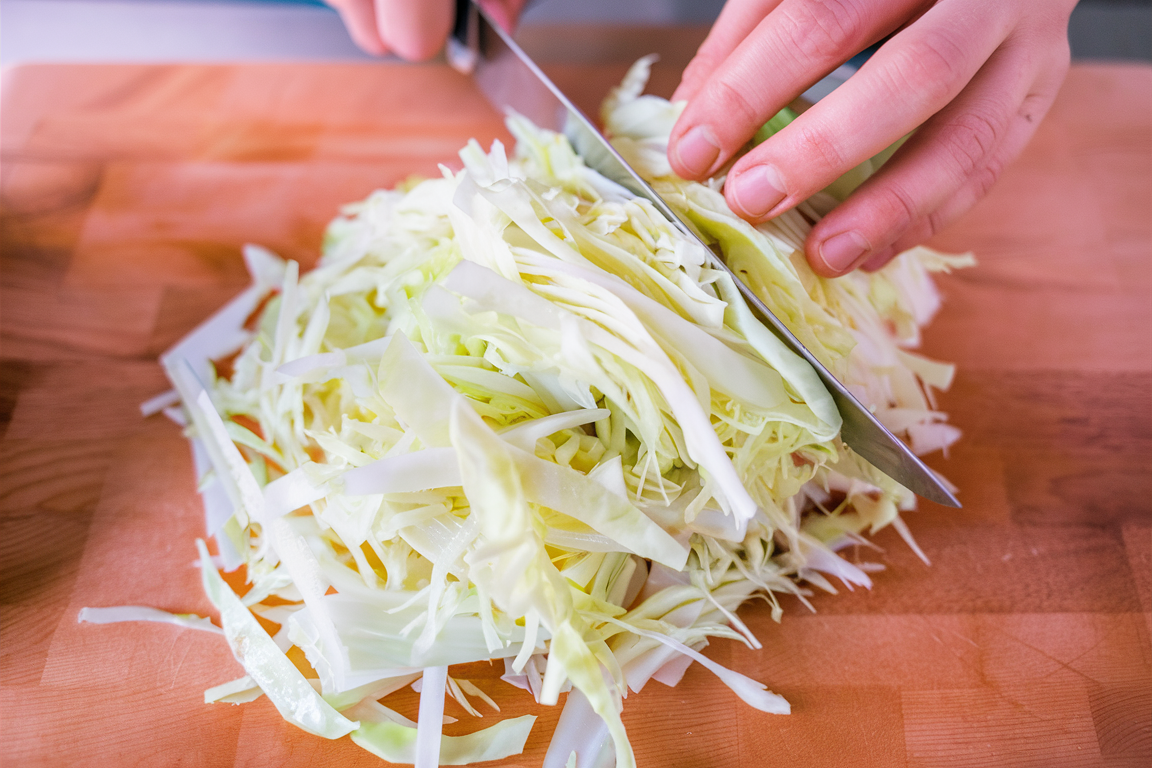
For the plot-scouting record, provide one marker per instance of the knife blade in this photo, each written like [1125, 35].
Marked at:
[509, 79]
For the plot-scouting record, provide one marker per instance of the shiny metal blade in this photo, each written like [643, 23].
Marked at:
[512, 81]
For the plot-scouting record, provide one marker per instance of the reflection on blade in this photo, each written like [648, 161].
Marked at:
[511, 81]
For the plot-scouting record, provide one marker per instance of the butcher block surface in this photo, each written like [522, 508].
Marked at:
[128, 192]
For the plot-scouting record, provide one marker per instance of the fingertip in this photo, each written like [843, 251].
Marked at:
[371, 44]
[505, 13]
[414, 31]
[416, 50]
[360, 20]
[414, 45]
[695, 153]
[840, 253]
[502, 18]
[755, 193]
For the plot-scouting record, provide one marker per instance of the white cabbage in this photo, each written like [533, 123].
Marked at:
[512, 414]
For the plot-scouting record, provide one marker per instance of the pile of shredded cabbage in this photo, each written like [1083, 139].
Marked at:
[512, 415]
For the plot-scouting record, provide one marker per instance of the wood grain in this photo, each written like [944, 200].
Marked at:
[126, 193]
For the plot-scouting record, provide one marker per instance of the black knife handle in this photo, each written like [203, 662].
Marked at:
[460, 24]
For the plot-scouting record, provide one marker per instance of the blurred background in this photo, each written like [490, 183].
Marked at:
[247, 30]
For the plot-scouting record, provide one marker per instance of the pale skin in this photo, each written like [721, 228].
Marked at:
[411, 29]
[972, 78]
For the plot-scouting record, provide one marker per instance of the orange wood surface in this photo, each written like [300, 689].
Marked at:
[127, 192]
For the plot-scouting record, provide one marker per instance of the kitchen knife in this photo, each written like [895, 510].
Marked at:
[511, 81]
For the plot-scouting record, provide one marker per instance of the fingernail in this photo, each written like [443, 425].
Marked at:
[758, 190]
[697, 150]
[843, 251]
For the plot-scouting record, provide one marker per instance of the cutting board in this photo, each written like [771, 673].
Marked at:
[127, 194]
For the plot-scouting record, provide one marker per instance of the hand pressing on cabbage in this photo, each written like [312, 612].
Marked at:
[973, 78]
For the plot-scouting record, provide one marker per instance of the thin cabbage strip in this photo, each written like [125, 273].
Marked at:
[288, 689]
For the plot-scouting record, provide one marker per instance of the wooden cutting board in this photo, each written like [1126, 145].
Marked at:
[127, 193]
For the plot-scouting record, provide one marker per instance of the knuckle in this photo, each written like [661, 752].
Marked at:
[732, 108]
[1035, 106]
[986, 176]
[896, 207]
[973, 136]
[815, 144]
[413, 50]
[822, 31]
[933, 223]
[929, 66]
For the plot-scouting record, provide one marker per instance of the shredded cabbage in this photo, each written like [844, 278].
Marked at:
[512, 414]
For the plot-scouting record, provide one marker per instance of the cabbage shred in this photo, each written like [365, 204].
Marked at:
[512, 415]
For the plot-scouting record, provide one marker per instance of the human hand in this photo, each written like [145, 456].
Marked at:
[412, 29]
[976, 76]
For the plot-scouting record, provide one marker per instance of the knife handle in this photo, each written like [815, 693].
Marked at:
[460, 24]
[463, 46]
